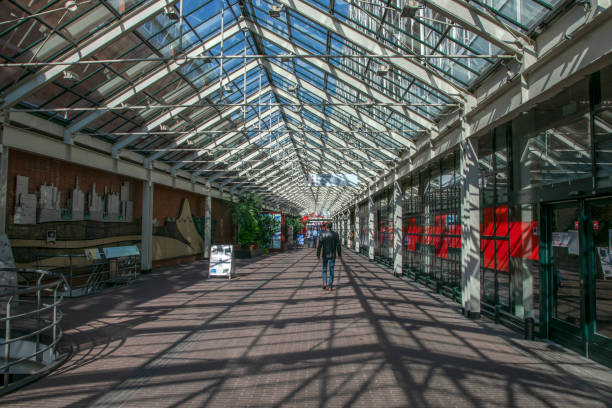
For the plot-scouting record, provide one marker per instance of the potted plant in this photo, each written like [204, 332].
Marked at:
[246, 214]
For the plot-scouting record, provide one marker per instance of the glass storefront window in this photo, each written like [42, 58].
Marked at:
[554, 140]
[602, 130]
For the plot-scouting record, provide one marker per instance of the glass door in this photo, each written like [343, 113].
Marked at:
[598, 323]
[578, 276]
[565, 275]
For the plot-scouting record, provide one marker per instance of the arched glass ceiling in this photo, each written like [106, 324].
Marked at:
[188, 91]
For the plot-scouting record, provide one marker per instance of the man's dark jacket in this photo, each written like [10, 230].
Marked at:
[329, 243]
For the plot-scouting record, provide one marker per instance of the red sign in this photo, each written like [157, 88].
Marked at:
[576, 225]
[595, 225]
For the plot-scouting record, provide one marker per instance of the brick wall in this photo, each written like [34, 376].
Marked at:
[222, 214]
[41, 170]
[167, 203]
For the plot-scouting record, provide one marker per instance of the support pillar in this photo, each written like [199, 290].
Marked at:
[470, 229]
[146, 262]
[343, 228]
[398, 211]
[371, 210]
[347, 227]
[4, 158]
[357, 242]
[207, 226]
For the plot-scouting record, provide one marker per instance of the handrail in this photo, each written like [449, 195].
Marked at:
[46, 317]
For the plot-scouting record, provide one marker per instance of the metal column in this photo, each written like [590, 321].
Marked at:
[207, 226]
[356, 232]
[470, 229]
[4, 158]
[146, 262]
[347, 227]
[398, 210]
[370, 226]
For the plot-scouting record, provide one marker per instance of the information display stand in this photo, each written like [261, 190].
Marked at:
[300, 240]
[221, 261]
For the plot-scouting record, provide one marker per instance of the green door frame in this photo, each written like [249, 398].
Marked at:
[591, 344]
[599, 347]
[571, 336]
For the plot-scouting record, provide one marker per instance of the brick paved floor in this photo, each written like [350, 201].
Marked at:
[272, 337]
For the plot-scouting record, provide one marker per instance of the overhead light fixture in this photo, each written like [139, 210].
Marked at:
[292, 88]
[286, 57]
[107, 73]
[71, 6]
[275, 11]
[227, 88]
[170, 12]
[180, 59]
[71, 76]
[298, 108]
[410, 9]
[382, 70]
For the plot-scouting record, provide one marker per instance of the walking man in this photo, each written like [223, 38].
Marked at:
[329, 244]
[309, 237]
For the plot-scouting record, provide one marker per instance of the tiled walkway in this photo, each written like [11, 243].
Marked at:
[272, 337]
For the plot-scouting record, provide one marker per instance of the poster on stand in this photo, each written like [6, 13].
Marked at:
[560, 239]
[300, 239]
[573, 243]
[605, 261]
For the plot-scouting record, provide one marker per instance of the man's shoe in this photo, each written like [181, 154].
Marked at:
[330, 289]
[324, 286]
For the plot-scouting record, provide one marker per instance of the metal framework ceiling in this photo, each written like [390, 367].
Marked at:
[254, 95]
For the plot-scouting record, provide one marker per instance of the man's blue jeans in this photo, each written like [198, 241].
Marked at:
[309, 241]
[329, 282]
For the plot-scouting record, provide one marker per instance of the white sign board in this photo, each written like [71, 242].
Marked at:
[333, 180]
[573, 244]
[605, 261]
[560, 239]
[221, 261]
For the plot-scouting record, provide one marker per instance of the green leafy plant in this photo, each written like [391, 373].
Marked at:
[294, 222]
[254, 227]
[267, 226]
[246, 215]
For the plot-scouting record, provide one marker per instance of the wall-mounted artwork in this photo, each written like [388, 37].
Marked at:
[46, 206]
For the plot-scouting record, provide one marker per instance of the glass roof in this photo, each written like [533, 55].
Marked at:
[213, 90]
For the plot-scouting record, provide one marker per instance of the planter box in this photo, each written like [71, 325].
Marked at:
[245, 253]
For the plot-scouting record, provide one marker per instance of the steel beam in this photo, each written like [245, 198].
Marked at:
[349, 110]
[339, 74]
[337, 124]
[368, 160]
[148, 80]
[331, 23]
[34, 82]
[480, 23]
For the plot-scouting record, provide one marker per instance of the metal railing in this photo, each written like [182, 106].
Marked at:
[30, 325]
[90, 278]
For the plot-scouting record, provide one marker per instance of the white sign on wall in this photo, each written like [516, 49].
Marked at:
[333, 180]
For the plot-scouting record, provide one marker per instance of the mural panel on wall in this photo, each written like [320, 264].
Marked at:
[110, 207]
